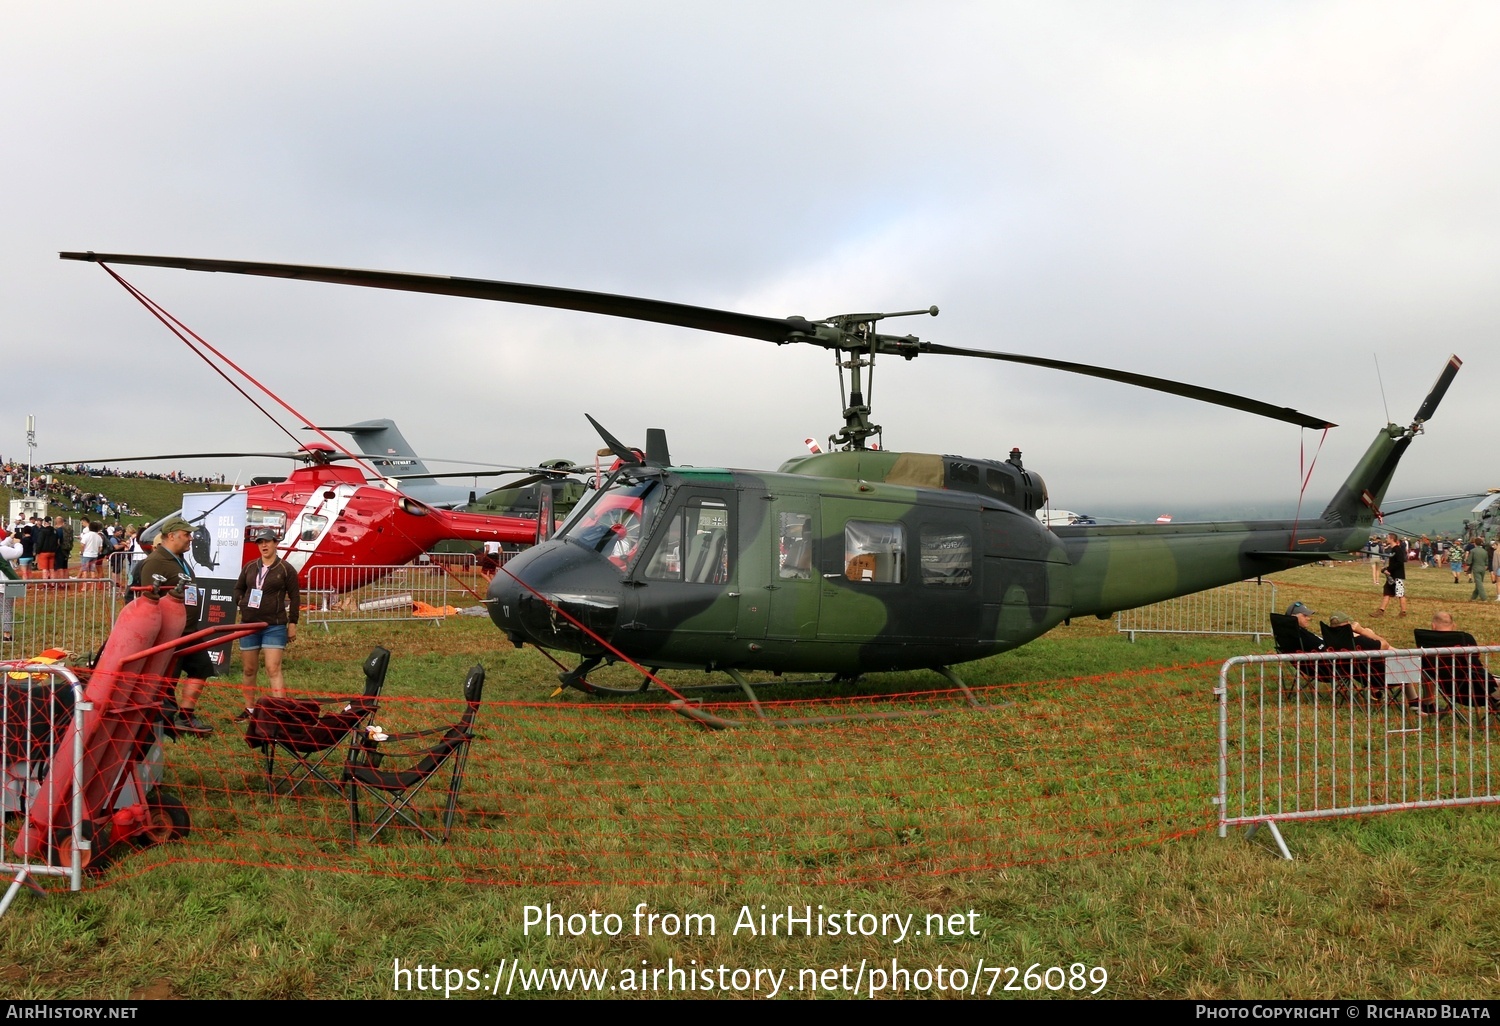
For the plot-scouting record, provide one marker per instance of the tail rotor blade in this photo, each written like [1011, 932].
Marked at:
[1439, 389]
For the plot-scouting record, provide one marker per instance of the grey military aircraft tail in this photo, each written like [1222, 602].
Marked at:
[390, 453]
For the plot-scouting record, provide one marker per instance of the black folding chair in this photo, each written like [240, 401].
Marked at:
[307, 735]
[1287, 635]
[1461, 677]
[372, 756]
[1363, 673]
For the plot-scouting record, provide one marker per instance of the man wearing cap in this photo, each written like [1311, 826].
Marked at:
[1310, 641]
[266, 593]
[165, 572]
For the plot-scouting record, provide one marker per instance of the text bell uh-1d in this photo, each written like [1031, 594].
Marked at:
[857, 560]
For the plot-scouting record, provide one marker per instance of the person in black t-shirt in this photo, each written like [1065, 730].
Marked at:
[1395, 575]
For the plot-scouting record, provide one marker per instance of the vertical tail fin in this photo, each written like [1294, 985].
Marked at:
[1359, 497]
[380, 440]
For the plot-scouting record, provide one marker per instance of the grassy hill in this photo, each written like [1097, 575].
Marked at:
[152, 498]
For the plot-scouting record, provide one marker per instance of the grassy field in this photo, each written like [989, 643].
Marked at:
[1401, 905]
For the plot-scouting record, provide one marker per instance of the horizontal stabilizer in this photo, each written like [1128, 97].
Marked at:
[1298, 558]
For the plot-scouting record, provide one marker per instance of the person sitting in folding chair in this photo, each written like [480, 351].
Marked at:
[1293, 634]
[1463, 679]
[1343, 634]
[1307, 641]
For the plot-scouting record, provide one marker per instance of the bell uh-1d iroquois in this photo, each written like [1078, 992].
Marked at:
[857, 560]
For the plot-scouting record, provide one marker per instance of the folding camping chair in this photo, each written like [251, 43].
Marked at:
[1362, 673]
[308, 736]
[369, 767]
[1288, 638]
[1461, 678]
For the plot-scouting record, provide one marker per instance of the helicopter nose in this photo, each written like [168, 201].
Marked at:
[546, 592]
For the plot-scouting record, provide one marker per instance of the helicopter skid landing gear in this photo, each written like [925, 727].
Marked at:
[578, 678]
[953, 678]
[693, 711]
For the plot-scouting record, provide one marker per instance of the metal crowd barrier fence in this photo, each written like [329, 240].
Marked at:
[351, 594]
[1243, 608]
[38, 701]
[1313, 736]
[74, 614]
[119, 565]
[457, 560]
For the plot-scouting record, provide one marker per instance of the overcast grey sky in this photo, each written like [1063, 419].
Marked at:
[1261, 198]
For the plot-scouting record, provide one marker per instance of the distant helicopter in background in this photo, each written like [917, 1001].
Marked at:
[327, 514]
[390, 453]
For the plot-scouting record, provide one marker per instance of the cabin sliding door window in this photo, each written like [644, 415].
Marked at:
[795, 555]
[262, 519]
[874, 553]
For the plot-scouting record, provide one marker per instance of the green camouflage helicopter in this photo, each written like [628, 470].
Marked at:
[857, 560]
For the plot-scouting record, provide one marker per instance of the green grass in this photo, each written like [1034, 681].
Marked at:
[1047, 816]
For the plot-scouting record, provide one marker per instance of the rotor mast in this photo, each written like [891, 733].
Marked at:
[854, 336]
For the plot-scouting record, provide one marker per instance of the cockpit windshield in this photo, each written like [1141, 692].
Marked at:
[614, 523]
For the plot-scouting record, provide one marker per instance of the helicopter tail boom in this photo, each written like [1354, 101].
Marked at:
[1122, 567]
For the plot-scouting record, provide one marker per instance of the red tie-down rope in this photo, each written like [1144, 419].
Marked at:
[1304, 471]
[184, 333]
[188, 337]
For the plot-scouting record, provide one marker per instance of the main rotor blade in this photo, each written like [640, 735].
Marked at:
[460, 473]
[1207, 395]
[184, 456]
[770, 329]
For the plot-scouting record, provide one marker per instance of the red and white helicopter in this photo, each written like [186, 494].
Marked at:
[327, 513]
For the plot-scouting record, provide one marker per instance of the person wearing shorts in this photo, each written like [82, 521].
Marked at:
[165, 572]
[1395, 575]
[266, 593]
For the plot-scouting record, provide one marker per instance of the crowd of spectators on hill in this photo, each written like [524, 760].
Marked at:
[71, 498]
[84, 470]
